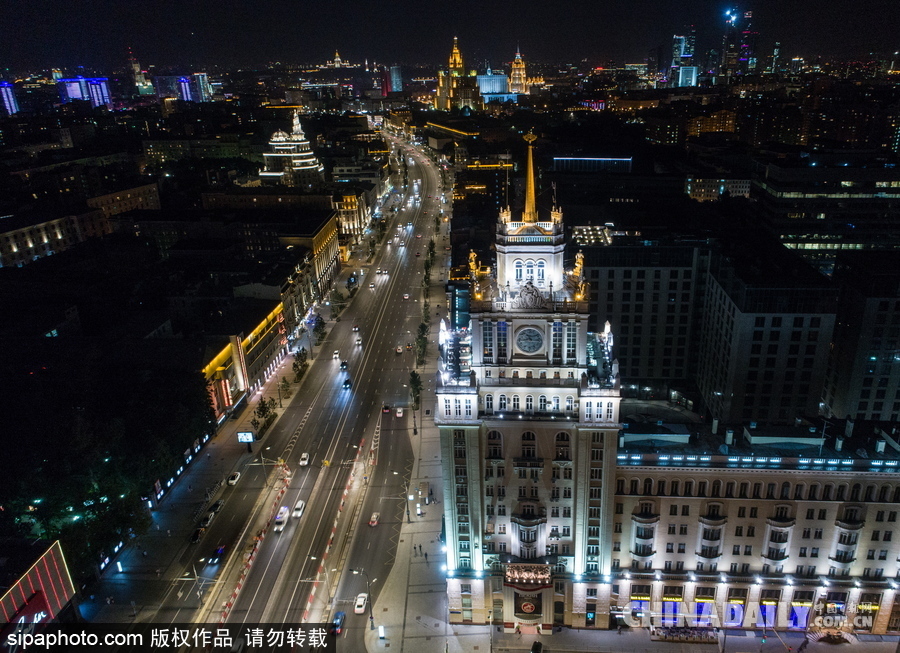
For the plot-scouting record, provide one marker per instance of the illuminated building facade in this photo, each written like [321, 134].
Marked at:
[38, 587]
[456, 88]
[291, 161]
[518, 82]
[729, 62]
[8, 94]
[528, 410]
[94, 89]
[142, 85]
[789, 528]
[687, 76]
[823, 205]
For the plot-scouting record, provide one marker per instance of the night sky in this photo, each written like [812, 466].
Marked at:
[37, 34]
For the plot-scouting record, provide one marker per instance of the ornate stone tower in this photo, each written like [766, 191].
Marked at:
[528, 411]
[518, 82]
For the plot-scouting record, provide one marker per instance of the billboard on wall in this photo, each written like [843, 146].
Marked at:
[528, 604]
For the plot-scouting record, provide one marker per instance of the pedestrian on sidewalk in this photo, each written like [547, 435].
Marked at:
[169, 532]
[158, 573]
[158, 527]
[426, 557]
[415, 553]
[144, 553]
[420, 548]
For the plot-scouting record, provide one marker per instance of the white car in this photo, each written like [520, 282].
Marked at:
[361, 601]
[336, 354]
[304, 459]
[372, 285]
[234, 478]
[299, 507]
[399, 412]
[405, 296]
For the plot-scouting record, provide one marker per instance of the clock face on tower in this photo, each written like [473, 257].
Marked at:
[529, 340]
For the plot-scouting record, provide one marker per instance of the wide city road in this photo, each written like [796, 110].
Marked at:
[340, 425]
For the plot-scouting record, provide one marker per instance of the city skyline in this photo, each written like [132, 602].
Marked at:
[302, 34]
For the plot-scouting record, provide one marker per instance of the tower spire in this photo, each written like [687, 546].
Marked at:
[530, 214]
[456, 62]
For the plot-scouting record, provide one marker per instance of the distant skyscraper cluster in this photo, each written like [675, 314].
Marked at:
[457, 88]
[94, 89]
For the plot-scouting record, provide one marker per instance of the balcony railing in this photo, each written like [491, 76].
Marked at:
[848, 525]
[713, 520]
[842, 559]
[528, 520]
[642, 552]
[781, 522]
[645, 518]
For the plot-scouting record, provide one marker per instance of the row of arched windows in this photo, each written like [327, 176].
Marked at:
[838, 491]
[528, 441]
[525, 270]
[545, 404]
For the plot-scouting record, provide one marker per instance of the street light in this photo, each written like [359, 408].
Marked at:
[369, 592]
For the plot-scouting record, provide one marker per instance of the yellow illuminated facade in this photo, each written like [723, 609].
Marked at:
[245, 362]
[456, 88]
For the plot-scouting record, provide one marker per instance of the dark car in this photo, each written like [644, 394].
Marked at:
[347, 384]
[386, 408]
[537, 647]
[216, 556]
[198, 535]
[337, 624]
[217, 506]
[344, 365]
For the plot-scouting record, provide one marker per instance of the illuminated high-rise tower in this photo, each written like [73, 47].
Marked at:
[8, 94]
[518, 82]
[528, 411]
[729, 62]
[142, 85]
[291, 161]
[94, 89]
[456, 88]
[683, 48]
[749, 36]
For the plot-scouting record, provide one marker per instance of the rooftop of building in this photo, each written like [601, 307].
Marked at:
[659, 435]
[759, 261]
[17, 555]
[874, 273]
[306, 220]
